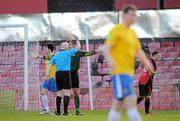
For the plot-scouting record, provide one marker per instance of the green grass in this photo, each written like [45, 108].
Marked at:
[88, 116]
[7, 100]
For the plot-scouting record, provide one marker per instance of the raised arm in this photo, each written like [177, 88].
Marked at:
[78, 45]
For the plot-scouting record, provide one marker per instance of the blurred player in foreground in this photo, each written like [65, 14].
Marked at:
[146, 83]
[75, 65]
[121, 48]
[62, 60]
[50, 83]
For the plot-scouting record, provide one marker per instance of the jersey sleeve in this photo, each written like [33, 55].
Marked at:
[72, 51]
[111, 38]
[89, 53]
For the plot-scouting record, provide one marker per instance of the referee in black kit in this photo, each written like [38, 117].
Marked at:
[62, 59]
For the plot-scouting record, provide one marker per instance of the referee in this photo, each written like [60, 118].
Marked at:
[62, 59]
[75, 65]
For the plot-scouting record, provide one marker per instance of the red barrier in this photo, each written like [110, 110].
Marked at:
[23, 6]
[171, 3]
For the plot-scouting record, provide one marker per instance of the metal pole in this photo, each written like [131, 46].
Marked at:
[89, 70]
[26, 67]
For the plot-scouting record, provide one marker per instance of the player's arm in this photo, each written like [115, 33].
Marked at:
[108, 56]
[89, 53]
[109, 43]
[78, 44]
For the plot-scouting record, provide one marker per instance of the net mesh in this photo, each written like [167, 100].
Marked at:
[12, 73]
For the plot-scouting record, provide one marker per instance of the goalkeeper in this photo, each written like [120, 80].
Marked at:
[50, 83]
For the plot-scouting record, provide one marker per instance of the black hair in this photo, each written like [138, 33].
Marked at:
[128, 8]
[50, 46]
[155, 53]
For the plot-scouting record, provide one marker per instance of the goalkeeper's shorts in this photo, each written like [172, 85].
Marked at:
[50, 85]
[122, 86]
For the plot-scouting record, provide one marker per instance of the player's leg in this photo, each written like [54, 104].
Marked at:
[58, 102]
[129, 97]
[53, 88]
[132, 111]
[76, 90]
[77, 100]
[44, 97]
[147, 105]
[67, 93]
[141, 94]
[114, 114]
[147, 100]
[59, 84]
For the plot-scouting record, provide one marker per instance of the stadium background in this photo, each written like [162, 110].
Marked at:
[165, 95]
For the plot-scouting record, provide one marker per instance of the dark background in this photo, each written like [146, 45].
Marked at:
[48, 6]
[80, 5]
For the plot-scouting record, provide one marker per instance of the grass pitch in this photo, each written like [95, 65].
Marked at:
[88, 116]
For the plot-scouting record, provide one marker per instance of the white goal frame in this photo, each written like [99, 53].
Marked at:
[25, 27]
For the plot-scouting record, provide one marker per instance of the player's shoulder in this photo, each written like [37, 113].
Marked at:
[118, 27]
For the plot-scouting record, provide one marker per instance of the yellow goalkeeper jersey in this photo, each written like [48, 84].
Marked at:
[53, 69]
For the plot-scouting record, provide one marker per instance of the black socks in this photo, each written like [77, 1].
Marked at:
[139, 99]
[147, 105]
[58, 104]
[66, 104]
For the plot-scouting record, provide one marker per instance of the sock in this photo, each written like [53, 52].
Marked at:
[134, 115]
[147, 105]
[66, 104]
[76, 102]
[58, 104]
[113, 116]
[139, 99]
[45, 102]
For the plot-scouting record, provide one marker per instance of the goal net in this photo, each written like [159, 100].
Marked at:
[19, 71]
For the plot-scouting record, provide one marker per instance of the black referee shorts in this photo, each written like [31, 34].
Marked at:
[145, 90]
[63, 80]
[75, 79]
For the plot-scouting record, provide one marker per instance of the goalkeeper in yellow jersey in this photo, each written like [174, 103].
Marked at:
[121, 48]
[50, 83]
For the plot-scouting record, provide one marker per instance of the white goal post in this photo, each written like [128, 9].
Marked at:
[25, 27]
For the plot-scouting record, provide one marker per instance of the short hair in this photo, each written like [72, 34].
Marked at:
[128, 8]
[155, 53]
[50, 46]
